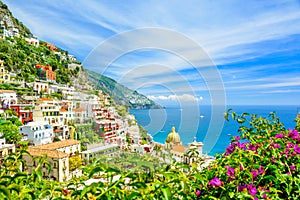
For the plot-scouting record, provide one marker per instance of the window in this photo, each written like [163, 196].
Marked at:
[54, 164]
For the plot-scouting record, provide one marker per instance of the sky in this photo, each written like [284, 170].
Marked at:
[209, 52]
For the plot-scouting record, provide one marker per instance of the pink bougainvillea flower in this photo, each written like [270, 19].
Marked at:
[293, 134]
[242, 187]
[280, 135]
[297, 148]
[230, 171]
[290, 145]
[216, 182]
[293, 167]
[277, 146]
[261, 169]
[252, 147]
[198, 192]
[254, 174]
[252, 189]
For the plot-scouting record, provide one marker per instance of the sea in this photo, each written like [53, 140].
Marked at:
[206, 123]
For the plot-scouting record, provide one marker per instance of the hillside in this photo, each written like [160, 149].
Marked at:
[121, 94]
[10, 23]
[20, 58]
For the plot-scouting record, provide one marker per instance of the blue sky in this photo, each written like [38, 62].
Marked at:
[252, 46]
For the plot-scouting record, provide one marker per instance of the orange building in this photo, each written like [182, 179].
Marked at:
[52, 47]
[45, 72]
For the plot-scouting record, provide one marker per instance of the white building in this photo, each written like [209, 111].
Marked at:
[48, 110]
[96, 150]
[33, 40]
[8, 98]
[71, 57]
[67, 92]
[6, 149]
[39, 86]
[38, 132]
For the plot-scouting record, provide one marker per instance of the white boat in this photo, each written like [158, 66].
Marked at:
[201, 116]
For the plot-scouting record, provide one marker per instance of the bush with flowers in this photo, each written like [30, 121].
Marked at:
[262, 162]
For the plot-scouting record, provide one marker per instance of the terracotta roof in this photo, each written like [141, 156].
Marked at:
[178, 148]
[33, 151]
[7, 91]
[46, 99]
[57, 145]
[62, 110]
[78, 109]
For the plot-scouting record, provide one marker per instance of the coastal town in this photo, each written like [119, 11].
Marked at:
[54, 121]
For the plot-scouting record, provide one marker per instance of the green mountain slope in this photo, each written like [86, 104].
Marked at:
[20, 57]
[121, 94]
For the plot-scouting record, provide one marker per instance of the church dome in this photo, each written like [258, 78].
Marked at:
[173, 137]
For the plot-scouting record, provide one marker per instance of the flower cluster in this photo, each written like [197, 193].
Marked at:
[261, 163]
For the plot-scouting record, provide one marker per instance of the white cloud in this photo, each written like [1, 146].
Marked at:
[184, 97]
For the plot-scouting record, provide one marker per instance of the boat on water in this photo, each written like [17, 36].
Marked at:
[201, 116]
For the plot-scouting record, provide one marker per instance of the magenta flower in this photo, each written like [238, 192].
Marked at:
[280, 135]
[252, 147]
[230, 171]
[264, 196]
[252, 190]
[286, 151]
[241, 167]
[290, 145]
[293, 134]
[241, 187]
[297, 148]
[277, 146]
[241, 145]
[237, 138]
[293, 167]
[261, 169]
[230, 149]
[198, 192]
[254, 174]
[216, 182]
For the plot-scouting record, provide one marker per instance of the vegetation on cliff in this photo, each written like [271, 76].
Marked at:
[261, 163]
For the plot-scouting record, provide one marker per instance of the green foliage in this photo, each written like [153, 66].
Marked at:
[87, 134]
[75, 162]
[262, 162]
[20, 57]
[9, 126]
[122, 110]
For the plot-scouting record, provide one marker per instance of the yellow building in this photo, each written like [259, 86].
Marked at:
[173, 139]
[6, 149]
[58, 156]
[4, 74]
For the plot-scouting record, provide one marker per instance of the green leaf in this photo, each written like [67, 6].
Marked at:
[94, 171]
[167, 193]
[5, 191]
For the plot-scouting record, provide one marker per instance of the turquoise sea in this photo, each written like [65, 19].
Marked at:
[191, 122]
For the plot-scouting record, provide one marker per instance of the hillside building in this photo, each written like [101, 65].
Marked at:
[4, 74]
[8, 98]
[6, 149]
[45, 73]
[37, 132]
[58, 156]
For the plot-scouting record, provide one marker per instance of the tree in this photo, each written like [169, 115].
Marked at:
[75, 162]
[10, 132]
